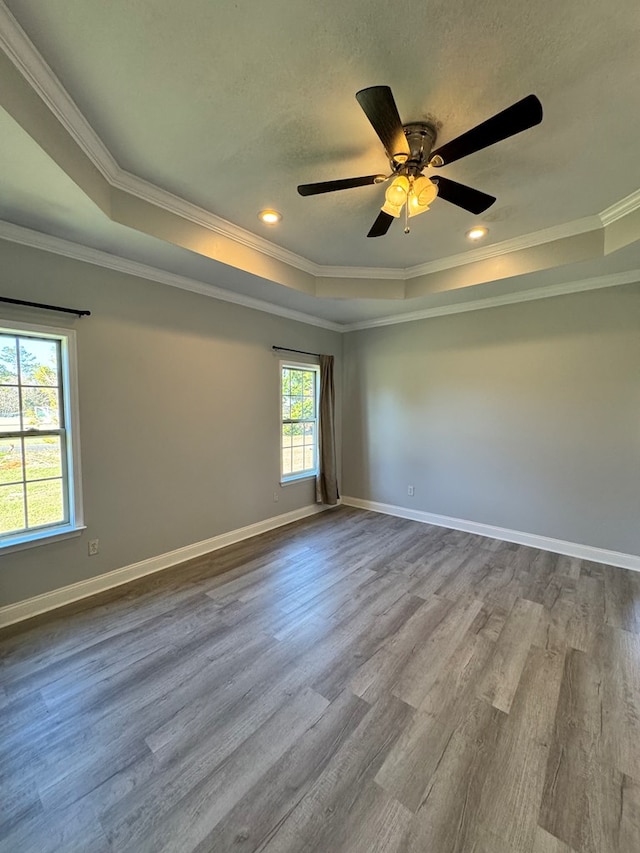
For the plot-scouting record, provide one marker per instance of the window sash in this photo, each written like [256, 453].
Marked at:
[67, 433]
[33, 433]
[287, 476]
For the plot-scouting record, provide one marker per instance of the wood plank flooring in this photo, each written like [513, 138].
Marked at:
[353, 683]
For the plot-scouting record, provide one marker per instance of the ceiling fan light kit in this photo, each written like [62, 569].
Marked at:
[416, 193]
[409, 149]
[396, 195]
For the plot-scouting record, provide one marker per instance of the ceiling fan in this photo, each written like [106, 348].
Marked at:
[410, 151]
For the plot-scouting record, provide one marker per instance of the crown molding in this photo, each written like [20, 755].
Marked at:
[68, 249]
[371, 273]
[145, 190]
[515, 244]
[58, 246]
[621, 208]
[614, 280]
[30, 63]
[40, 76]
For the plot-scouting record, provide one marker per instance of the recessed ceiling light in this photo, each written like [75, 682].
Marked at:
[269, 217]
[477, 233]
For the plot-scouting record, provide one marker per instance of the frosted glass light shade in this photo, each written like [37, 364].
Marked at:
[424, 190]
[414, 207]
[396, 194]
[391, 209]
[421, 194]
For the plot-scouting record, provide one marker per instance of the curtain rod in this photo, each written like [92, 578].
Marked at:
[77, 311]
[299, 351]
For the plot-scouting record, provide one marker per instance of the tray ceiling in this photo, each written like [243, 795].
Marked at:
[213, 111]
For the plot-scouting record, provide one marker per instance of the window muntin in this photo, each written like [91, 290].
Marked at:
[39, 465]
[299, 421]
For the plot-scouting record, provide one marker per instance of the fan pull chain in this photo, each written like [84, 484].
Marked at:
[407, 230]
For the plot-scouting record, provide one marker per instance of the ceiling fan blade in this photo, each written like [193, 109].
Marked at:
[381, 110]
[344, 184]
[516, 118]
[466, 197]
[381, 225]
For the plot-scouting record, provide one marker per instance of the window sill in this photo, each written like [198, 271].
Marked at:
[44, 537]
[297, 478]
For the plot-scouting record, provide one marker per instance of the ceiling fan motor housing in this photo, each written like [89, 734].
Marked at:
[421, 137]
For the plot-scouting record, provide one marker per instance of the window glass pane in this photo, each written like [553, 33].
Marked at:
[297, 431]
[309, 385]
[10, 460]
[286, 380]
[286, 435]
[286, 408]
[42, 457]
[286, 462]
[45, 504]
[12, 508]
[298, 459]
[9, 409]
[296, 382]
[40, 408]
[296, 407]
[309, 460]
[309, 433]
[8, 361]
[38, 362]
[308, 407]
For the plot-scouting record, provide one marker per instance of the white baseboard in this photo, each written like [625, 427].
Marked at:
[545, 543]
[21, 610]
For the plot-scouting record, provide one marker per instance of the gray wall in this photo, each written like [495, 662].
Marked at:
[178, 415]
[526, 417]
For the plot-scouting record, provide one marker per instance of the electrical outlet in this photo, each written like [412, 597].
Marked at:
[94, 547]
[276, 497]
[410, 491]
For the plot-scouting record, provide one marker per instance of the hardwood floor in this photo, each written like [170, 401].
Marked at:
[354, 682]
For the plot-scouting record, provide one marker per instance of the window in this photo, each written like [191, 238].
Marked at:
[39, 463]
[299, 421]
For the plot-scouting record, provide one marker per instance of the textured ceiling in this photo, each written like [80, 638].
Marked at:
[230, 105]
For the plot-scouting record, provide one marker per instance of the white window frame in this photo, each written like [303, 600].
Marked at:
[285, 479]
[69, 370]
